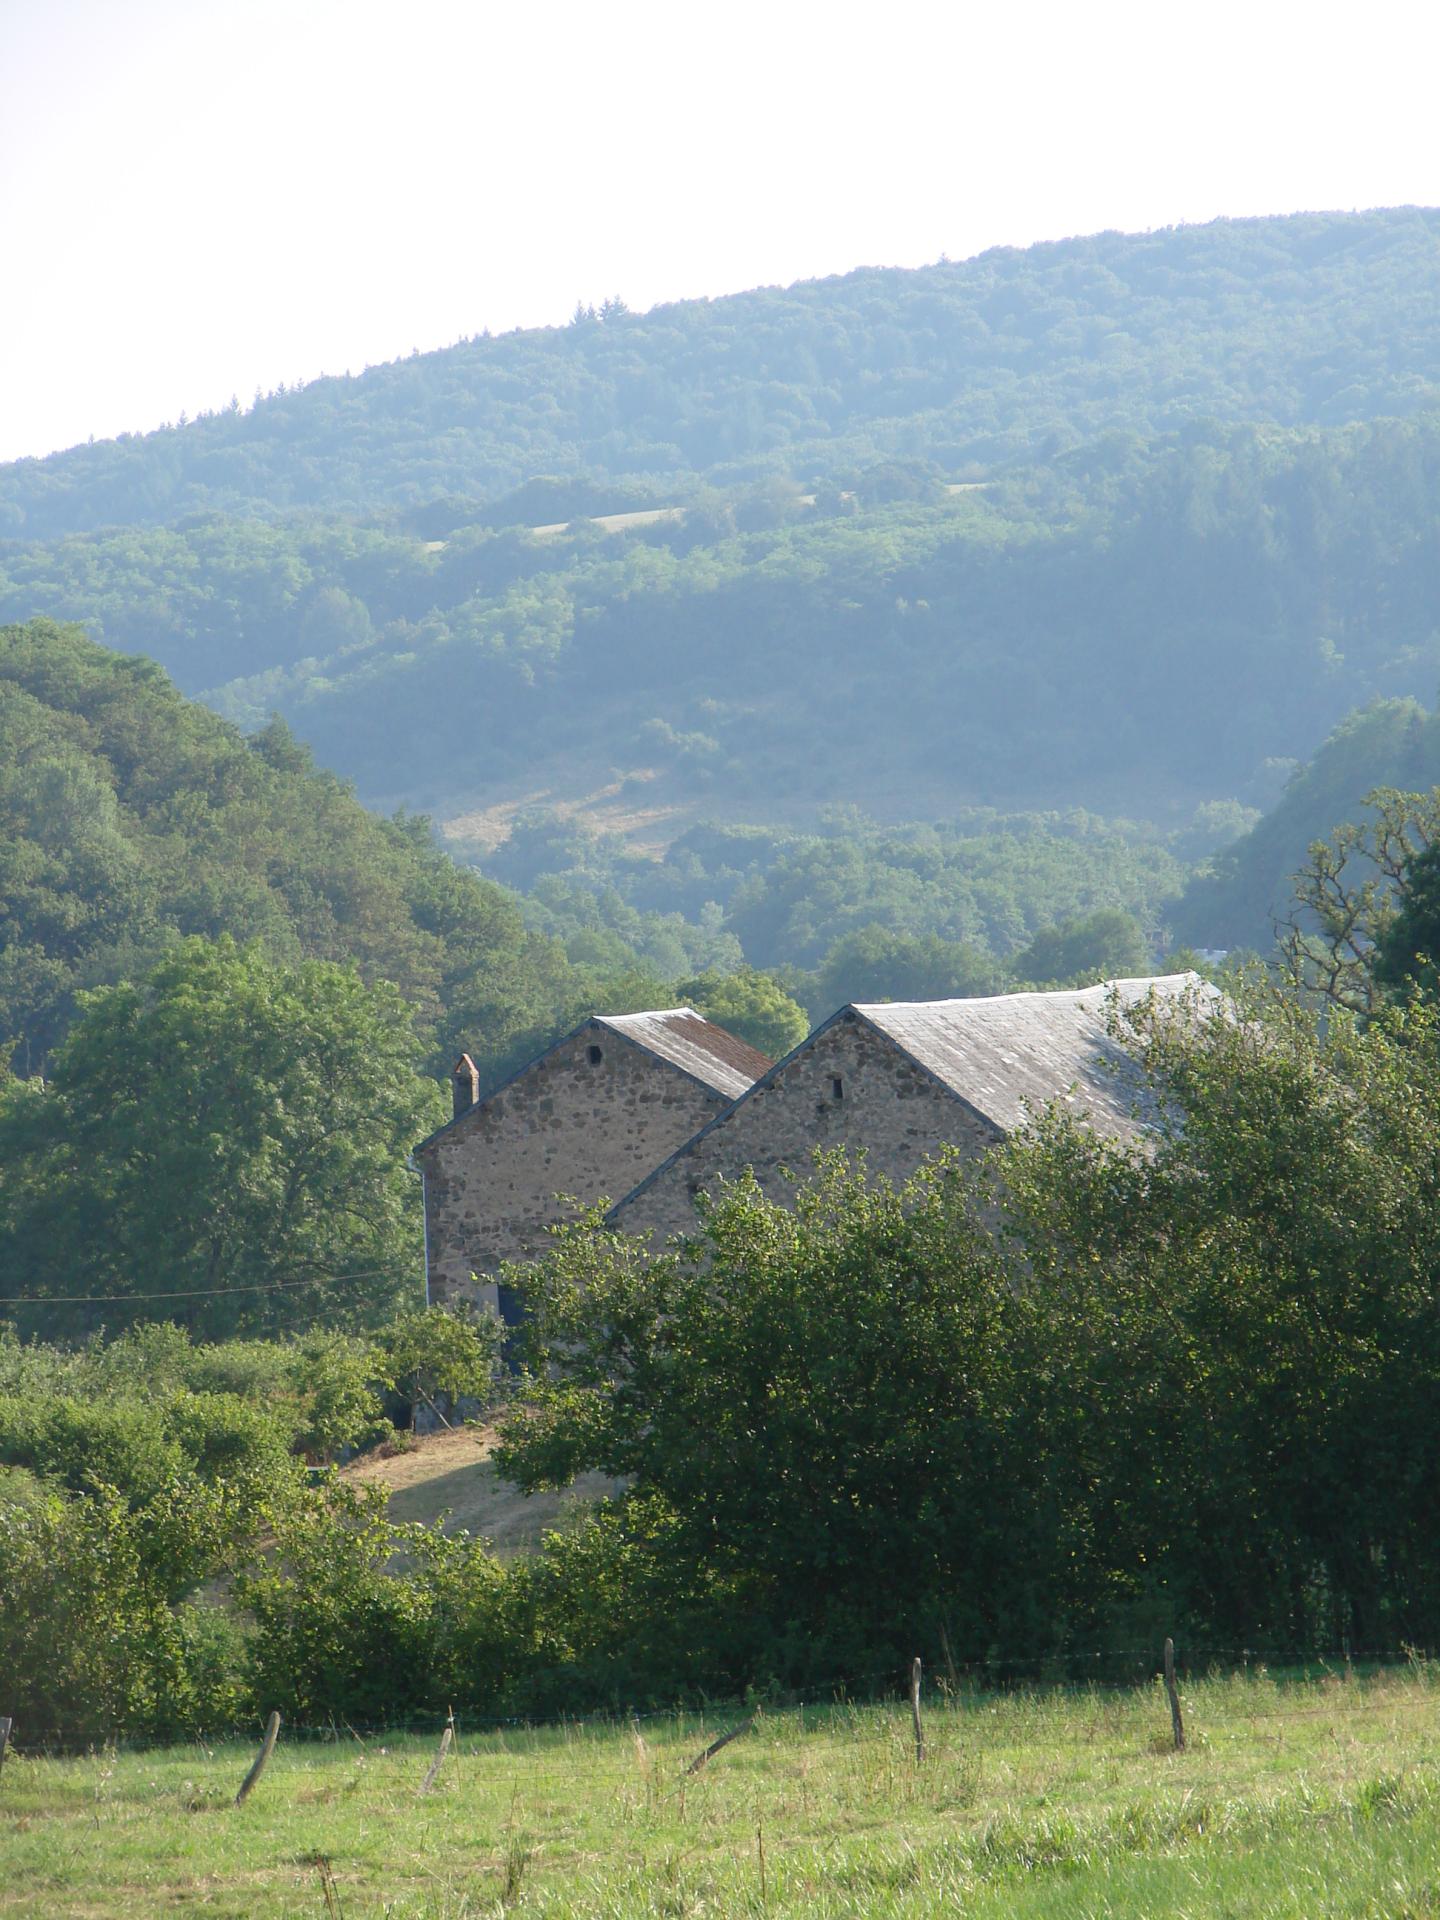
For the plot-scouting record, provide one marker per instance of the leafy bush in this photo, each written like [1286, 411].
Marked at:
[342, 1383]
[91, 1640]
[19, 1487]
[782, 1390]
[438, 1353]
[81, 1444]
[226, 1438]
[263, 1370]
[139, 1447]
[343, 1626]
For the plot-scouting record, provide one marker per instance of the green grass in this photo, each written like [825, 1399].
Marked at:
[1309, 1799]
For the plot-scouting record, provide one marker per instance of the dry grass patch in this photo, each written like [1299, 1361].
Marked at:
[449, 1479]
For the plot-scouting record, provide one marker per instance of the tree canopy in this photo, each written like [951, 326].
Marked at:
[1318, 317]
[1018, 1408]
[225, 1144]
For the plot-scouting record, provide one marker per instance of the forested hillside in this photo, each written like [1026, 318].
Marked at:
[1132, 629]
[131, 818]
[1319, 318]
[862, 912]
[1109, 531]
[1247, 888]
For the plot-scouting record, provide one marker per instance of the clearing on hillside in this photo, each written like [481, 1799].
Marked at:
[448, 1479]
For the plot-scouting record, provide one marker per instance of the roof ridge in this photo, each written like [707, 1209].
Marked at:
[761, 1085]
[1053, 994]
[653, 1013]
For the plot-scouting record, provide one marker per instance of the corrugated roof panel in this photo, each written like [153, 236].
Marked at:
[694, 1044]
[1014, 1054]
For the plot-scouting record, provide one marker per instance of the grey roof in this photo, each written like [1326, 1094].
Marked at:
[679, 1036]
[694, 1044]
[1011, 1055]
[1006, 1057]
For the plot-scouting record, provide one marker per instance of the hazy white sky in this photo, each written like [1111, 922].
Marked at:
[201, 196]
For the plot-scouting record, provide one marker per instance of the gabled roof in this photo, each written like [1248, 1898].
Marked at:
[681, 1037]
[1010, 1055]
[1006, 1057]
[694, 1044]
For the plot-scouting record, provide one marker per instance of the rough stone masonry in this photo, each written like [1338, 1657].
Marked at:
[589, 1118]
[897, 1080]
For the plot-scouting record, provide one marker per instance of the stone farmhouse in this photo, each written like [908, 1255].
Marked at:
[901, 1080]
[588, 1118]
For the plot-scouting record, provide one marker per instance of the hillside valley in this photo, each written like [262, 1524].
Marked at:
[1089, 545]
[719, 1010]
[1136, 630]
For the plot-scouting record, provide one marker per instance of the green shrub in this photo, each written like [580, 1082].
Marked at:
[21, 1488]
[436, 1354]
[264, 1370]
[155, 1357]
[86, 1443]
[91, 1643]
[356, 1617]
[224, 1437]
[342, 1379]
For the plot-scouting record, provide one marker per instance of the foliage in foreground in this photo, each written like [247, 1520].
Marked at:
[872, 1422]
[149, 1406]
[867, 1419]
[136, 1475]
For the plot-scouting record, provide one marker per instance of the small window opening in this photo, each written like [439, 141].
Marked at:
[596, 1056]
[837, 1087]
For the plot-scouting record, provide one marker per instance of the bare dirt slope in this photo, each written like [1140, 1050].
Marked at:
[448, 1479]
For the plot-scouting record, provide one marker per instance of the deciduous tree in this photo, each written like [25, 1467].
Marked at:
[223, 1142]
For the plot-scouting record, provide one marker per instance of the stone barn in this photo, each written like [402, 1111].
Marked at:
[587, 1118]
[903, 1079]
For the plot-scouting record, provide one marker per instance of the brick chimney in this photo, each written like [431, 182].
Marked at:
[465, 1084]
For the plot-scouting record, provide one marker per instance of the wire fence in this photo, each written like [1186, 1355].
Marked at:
[961, 1690]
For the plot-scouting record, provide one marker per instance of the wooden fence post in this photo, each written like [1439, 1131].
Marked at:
[446, 1737]
[715, 1745]
[915, 1709]
[272, 1734]
[329, 1888]
[1177, 1725]
[951, 1674]
[5, 1725]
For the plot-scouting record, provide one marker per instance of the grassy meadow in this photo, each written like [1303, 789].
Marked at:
[1304, 1798]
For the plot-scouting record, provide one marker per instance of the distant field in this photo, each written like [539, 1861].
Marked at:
[1303, 1801]
[448, 1478]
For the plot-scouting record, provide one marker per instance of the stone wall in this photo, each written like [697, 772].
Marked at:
[850, 1087]
[568, 1124]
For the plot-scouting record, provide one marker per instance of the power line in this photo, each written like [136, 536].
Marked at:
[187, 1293]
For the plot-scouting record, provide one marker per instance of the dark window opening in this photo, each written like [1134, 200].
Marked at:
[838, 1087]
[511, 1307]
[596, 1056]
